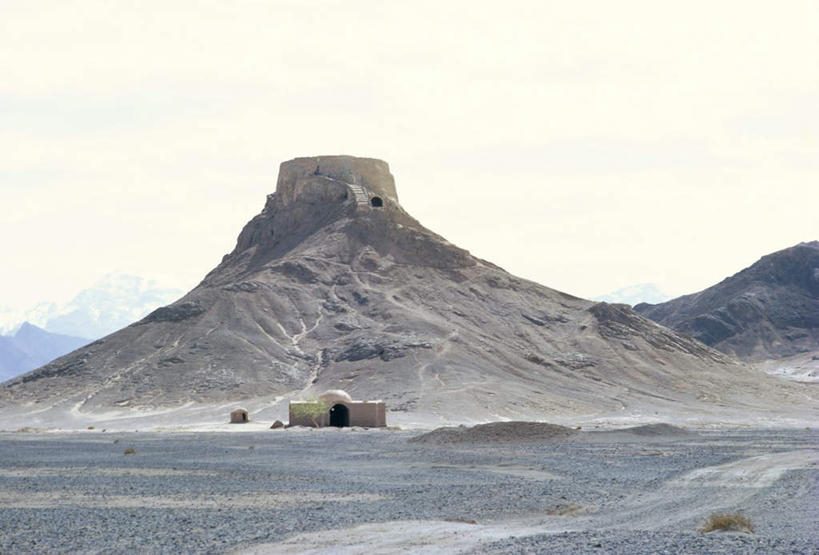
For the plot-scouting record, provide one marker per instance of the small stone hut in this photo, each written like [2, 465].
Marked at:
[337, 408]
[239, 416]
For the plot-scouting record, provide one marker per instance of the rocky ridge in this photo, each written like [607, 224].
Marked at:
[769, 310]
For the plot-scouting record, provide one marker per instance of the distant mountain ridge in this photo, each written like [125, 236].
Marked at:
[110, 304]
[31, 347]
[635, 294]
[769, 310]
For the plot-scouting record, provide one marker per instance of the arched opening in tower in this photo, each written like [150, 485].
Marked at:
[376, 202]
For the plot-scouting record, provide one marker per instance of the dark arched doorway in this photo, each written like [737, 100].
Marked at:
[339, 416]
[376, 202]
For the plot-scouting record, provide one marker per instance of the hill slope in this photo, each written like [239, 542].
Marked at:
[334, 285]
[769, 310]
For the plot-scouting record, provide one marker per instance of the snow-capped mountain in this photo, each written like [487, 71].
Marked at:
[11, 319]
[112, 303]
[635, 294]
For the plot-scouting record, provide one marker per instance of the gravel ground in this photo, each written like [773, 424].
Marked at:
[496, 432]
[638, 541]
[211, 492]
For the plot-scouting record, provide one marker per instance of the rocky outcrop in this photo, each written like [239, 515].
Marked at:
[769, 310]
[619, 321]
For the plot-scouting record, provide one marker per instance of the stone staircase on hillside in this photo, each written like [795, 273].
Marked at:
[361, 197]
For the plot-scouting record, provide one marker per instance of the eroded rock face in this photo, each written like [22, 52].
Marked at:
[324, 291]
[174, 313]
[619, 321]
[769, 310]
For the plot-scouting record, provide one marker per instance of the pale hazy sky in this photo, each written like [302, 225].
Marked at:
[584, 145]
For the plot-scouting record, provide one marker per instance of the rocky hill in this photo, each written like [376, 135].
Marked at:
[334, 285]
[769, 310]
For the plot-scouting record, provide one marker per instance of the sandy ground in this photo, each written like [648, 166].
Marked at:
[263, 411]
[359, 491]
[799, 368]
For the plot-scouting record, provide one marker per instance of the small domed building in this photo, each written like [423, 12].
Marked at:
[336, 408]
[239, 416]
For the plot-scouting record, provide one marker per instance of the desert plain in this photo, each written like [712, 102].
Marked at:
[524, 488]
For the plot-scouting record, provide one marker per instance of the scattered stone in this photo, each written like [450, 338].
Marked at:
[661, 429]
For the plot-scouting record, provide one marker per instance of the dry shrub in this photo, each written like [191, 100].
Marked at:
[312, 409]
[461, 520]
[130, 451]
[736, 522]
[569, 509]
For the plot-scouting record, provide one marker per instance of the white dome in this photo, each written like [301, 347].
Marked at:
[336, 395]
